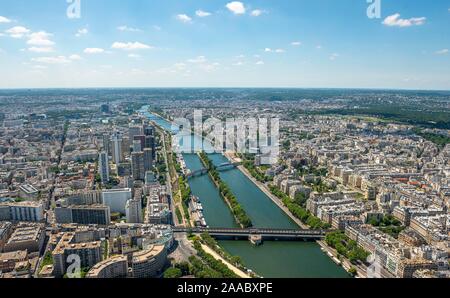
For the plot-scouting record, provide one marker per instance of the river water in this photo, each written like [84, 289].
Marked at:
[272, 259]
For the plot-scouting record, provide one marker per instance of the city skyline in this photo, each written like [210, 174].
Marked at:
[298, 44]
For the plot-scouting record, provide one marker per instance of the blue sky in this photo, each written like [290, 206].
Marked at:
[215, 43]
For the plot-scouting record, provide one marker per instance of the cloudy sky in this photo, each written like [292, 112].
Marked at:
[215, 43]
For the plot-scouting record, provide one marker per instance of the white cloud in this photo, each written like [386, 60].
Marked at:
[134, 56]
[395, 20]
[257, 12]
[52, 60]
[81, 32]
[125, 28]
[40, 38]
[17, 31]
[334, 56]
[75, 57]
[260, 63]
[236, 7]
[4, 20]
[319, 47]
[296, 43]
[269, 50]
[93, 51]
[199, 59]
[157, 28]
[239, 63]
[39, 67]
[200, 13]
[130, 46]
[180, 65]
[209, 67]
[41, 49]
[184, 18]
[442, 52]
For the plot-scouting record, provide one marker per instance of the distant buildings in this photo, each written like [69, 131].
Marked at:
[104, 108]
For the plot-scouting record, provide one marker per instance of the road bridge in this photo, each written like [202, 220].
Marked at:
[221, 168]
[265, 234]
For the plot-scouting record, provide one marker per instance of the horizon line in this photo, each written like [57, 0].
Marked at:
[217, 87]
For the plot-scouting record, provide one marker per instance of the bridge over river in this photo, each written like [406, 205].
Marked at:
[222, 167]
[265, 234]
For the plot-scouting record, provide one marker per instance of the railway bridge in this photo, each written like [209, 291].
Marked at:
[264, 234]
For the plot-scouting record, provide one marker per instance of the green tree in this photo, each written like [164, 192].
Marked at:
[173, 273]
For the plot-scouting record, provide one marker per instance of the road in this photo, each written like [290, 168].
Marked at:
[184, 248]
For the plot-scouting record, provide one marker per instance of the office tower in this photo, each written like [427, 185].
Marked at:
[149, 130]
[141, 139]
[137, 165]
[148, 159]
[128, 182]
[107, 144]
[137, 146]
[124, 169]
[134, 211]
[103, 167]
[134, 131]
[117, 148]
[126, 146]
[150, 143]
[150, 178]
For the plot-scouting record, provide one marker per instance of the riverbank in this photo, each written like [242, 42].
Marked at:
[233, 268]
[346, 264]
